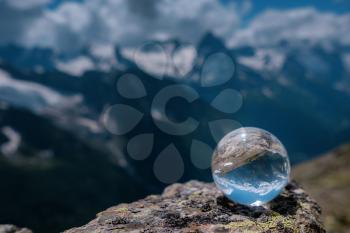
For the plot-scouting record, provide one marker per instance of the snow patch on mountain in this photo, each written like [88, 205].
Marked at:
[77, 66]
[32, 95]
[264, 60]
[14, 140]
[163, 60]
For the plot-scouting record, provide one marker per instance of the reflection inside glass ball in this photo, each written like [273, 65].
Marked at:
[250, 166]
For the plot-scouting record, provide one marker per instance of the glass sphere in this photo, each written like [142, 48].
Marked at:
[250, 166]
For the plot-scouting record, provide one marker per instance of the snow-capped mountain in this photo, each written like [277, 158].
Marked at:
[53, 107]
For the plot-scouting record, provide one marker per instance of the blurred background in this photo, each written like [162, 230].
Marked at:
[94, 94]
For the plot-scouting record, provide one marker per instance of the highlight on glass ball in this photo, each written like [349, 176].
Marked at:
[250, 166]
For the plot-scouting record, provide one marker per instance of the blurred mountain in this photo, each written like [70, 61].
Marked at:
[327, 179]
[51, 179]
[57, 150]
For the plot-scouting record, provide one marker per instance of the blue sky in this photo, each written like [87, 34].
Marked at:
[340, 6]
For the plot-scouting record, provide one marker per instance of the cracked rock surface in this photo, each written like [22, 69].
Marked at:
[201, 207]
[13, 229]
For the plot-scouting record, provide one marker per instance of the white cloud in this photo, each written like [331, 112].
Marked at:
[67, 27]
[73, 25]
[295, 25]
[26, 4]
[76, 17]
[14, 21]
[300, 28]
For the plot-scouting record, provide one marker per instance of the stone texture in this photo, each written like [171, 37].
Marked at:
[201, 207]
[13, 229]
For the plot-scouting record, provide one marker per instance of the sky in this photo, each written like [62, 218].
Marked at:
[340, 6]
[72, 24]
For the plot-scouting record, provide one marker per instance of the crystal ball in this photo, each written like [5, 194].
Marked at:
[250, 166]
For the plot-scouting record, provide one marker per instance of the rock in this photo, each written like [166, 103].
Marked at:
[201, 207]
[13, 229]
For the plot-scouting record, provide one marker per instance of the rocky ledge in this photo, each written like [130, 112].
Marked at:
[201, 207]
[13, 229]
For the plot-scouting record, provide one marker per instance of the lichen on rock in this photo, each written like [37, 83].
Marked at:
[201, 207]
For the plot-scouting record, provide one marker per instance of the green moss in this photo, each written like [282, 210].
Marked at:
[274, 222]
[122, 209]
[182, 203]
[194, 195]
[305, 205]
[240, 224]
[248, 225]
